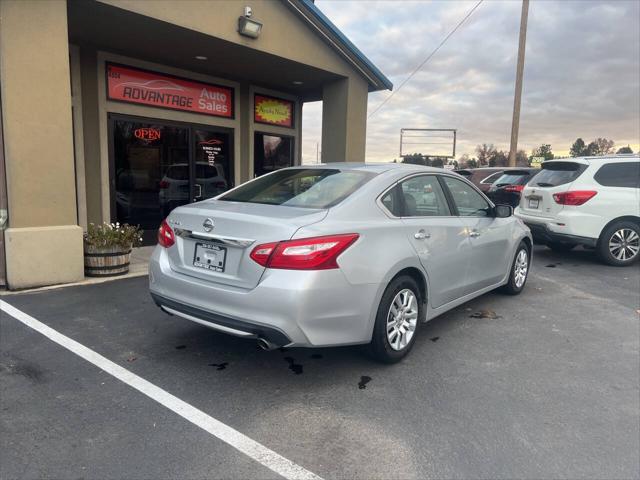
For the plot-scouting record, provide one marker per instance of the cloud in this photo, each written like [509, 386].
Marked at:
[582, 71]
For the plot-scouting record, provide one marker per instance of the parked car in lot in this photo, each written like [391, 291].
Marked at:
[174, 186]
[507, 188]
[337, 254]
[482, 177]
[590, 201]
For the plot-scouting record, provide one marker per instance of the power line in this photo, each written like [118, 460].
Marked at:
[426, 59]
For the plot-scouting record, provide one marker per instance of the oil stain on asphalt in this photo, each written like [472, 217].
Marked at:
[181, 347]
[316, 356]
[219, 366]
[362, 384]
[485, 314]
[293, 366]
[23, 368]
[434, 339]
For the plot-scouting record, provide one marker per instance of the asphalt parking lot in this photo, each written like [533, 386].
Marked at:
[544, 385]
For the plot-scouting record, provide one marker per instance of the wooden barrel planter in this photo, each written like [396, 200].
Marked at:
[106, 261]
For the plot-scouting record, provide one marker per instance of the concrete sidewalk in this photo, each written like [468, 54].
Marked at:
[138, 267]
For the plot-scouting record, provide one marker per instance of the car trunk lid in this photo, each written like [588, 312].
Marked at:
[214, 238]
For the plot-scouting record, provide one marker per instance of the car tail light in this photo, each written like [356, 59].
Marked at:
[166, 237]
[576, 197]
[514, 188]
[316, 253]
[164, 184]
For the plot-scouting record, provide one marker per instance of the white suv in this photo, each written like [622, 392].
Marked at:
[590, 201]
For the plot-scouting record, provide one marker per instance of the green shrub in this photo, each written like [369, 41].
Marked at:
[108, 235]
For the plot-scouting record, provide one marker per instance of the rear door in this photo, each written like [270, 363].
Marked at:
[436, 236]
[489, 236]
[618, 186]
[555, 176]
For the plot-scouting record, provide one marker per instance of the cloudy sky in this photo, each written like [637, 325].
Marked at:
[582, 71]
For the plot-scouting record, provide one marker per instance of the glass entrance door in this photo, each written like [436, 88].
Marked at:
[212, 163]
[157, 167]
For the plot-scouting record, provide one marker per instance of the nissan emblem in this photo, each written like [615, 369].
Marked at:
[208, 225]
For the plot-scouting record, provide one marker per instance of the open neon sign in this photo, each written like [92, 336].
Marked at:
[147, 133]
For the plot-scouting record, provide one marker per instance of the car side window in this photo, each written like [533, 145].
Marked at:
[423, 197]
[468, 201]
[391, 201]
[621, 174]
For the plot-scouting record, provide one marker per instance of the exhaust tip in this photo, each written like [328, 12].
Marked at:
[266, 344]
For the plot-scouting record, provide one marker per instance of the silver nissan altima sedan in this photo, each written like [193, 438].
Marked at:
[337, 254]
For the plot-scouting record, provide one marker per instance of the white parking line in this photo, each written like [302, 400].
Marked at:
[237, 440]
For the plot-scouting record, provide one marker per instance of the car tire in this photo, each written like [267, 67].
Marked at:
[519, 270]
[619, 244]
[394, 334]
[561, 247]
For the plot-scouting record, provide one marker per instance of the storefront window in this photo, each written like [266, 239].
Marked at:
[150, 170]
[158, 167]
[272, 152]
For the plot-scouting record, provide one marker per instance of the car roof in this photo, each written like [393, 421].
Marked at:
[588, 160]
[373, 167]
[520, 170]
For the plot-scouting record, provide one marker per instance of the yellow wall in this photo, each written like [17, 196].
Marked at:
[283, 33]
[43, 241]
[36, 107]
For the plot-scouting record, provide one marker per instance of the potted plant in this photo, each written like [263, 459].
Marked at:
[107, 248]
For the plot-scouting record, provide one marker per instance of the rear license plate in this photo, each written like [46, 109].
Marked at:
[210, 257]
[533, 203]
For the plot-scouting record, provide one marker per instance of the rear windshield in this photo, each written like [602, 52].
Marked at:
[181, 172]
[491, 178]
[208, 171]
[301, 187]
[513, 178]
[178, 172]
[557, 173]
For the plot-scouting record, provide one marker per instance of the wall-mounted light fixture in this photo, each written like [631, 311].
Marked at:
[248, 27]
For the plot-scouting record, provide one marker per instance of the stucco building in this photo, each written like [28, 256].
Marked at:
[120, 110]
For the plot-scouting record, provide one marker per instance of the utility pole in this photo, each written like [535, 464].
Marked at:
[515, 123]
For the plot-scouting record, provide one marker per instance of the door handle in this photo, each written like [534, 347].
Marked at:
[474, 233]
[199, 194]
[421, 235]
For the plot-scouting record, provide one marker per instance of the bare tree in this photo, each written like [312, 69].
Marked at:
[601, 146]
[521, 159]
[485, 152]
[499, 159]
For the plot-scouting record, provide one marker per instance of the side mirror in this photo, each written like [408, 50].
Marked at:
[503, 211]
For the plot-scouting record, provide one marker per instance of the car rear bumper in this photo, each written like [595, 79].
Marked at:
[287, 308]
[541, 233]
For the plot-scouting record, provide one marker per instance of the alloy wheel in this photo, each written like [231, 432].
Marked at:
[520, 268]
[624, 244]
[402, 319]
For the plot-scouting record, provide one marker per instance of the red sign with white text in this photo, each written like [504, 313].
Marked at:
[132, 85]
